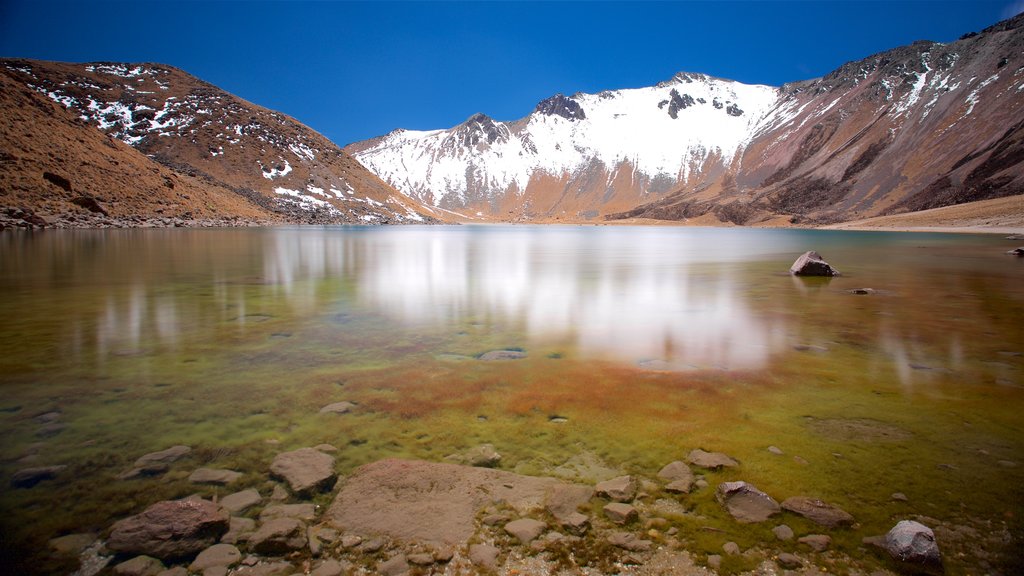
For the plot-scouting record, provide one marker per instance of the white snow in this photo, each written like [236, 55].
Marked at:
[272, 173]
[620, 126]
[305, 202]
[972, 98]
[302, 151]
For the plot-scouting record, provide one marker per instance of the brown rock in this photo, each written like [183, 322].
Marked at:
[29, 477]
[710, 460]
[483, 555]
[812, 264]
[306, 470]
[239, 501]
[817, 542]
[746, 503]
[139, 566]
[217, 555]
[576, 523]
[620, 512]
[502, 355]
[629, 541]
[214, 476]
[170, 529]
[817, 511]
[428, 502]
[525, 529]
[621, 489]
[279, 536]
[789, 561]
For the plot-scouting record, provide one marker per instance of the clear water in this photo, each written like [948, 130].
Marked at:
[649, 341]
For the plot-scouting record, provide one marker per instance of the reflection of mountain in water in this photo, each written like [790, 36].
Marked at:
[650, 297]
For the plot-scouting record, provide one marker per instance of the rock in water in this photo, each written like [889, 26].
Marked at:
[484, 456]
[817, 511]
[170, 529]
[913, 545]
[29, 477]
[306, 470]
[811, 264]
[1017, 251]
[503, 355]
[525, 529]
[746, 503]
[214, 476]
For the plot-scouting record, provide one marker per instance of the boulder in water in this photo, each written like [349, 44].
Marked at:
[811, 263]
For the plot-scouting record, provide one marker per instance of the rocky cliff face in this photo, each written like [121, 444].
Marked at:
[275, 164]
[917, 127]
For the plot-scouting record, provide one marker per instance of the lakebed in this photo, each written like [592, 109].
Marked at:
[625, 349]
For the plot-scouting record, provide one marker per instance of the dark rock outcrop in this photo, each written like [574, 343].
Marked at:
[560, 105]
[811, 263]
[913, 546]
[746, 503]
[817, 511]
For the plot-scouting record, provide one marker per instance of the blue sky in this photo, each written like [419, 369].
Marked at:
[354, 70]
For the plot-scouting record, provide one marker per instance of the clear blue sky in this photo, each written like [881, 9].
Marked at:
[353, 70]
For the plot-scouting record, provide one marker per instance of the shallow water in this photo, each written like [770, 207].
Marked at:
[641, 344]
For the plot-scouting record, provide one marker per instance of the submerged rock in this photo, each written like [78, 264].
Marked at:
[913, 545]
[629, 541]
[817, 542]
[746, 503]
[172, 454]
[484, 456]
[306, 470]
[279, 536]
[811, 263]
[239, 501]
[170, 529]
[338, 408]
[139, 566]
[620, 513]
[29, 477]
[483, 555]
[503, 355]
[710, 460]
[217, 555]
[214, 476]
[1017, 251]
[817, 511]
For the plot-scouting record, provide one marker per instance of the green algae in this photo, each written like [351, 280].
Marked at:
[919, 386]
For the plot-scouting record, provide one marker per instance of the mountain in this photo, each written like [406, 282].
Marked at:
[913, 128]
[246, 155]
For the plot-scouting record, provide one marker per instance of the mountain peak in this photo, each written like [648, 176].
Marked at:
[561, 105]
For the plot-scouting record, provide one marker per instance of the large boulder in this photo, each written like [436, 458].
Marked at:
[431, 503]
[170, 529]
[306, 470]
[817, 511]
[746, 503]
[679, 477]
[812, 264]
[913, 545]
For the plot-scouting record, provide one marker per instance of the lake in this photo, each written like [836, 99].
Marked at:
[638, 343]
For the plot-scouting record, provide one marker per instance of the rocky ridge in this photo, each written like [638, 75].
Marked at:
[254, 163]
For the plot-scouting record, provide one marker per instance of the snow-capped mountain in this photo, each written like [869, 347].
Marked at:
[620, 146]
[916, 127]
[265, 157]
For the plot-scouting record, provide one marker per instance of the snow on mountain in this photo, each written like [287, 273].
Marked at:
[664, 134]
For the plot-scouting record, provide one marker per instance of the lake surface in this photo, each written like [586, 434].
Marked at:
[641, 344]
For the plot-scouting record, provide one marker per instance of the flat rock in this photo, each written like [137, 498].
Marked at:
[279, 536]
[817, 542]
[427, 502]
[303, 511]
[731, 548]
[502, 355]
[913, 545]
[330, 567]
[745, 503]
[564, 500]
[239, 530]
[266, 568]
[621, 489]
[483, 555]
[217, 555]
[139, 566]
[172, 454]
[170, 529]
[576, 523]
[629, 541]
[585, 467]
[620, 512]
[420, 559]
[29, 477]
[338, 408]
[393, 566]
[214, 476]
[306, 470]
[525, 529]
[811, 263]
[815, 510]
[72, 544]
[710, 460]
[239, 501]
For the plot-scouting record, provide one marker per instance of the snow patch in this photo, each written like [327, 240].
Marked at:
[272, 173]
